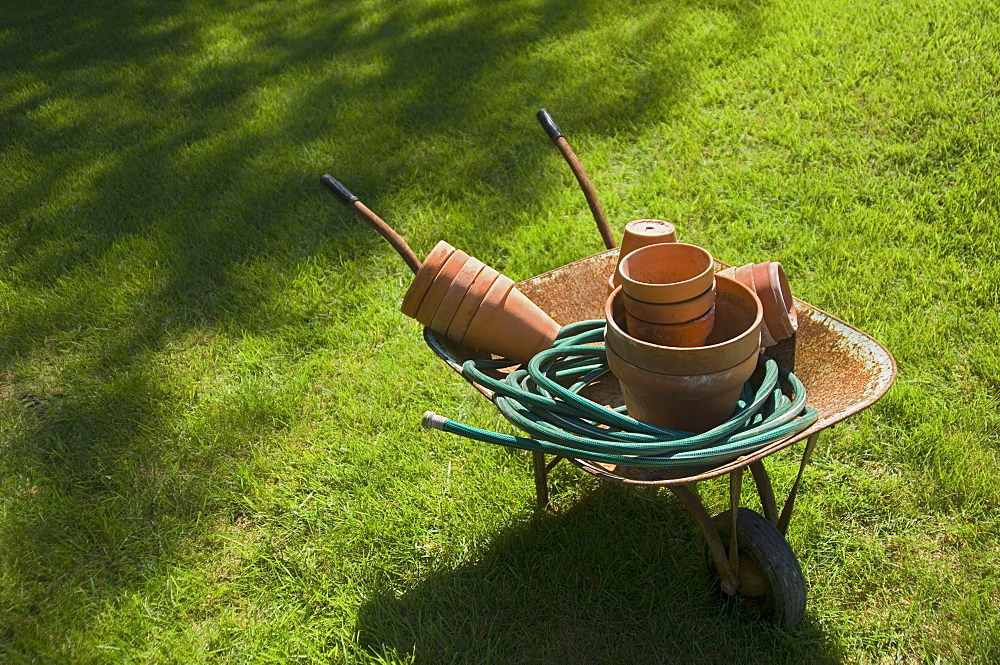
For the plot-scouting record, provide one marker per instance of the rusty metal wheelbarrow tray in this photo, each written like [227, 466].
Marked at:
[843, 369]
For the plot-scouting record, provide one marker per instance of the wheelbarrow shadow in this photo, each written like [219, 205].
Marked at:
[617, 578]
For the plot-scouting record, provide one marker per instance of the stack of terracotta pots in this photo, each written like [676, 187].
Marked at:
[472, 304]
[668, 291]
[768, 281]
[687, 388]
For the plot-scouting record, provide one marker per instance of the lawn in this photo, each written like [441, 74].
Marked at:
[209, 402]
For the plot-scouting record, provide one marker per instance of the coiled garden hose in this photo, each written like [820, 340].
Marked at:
[542, 399]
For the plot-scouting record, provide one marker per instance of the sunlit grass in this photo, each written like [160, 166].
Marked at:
[209, 402]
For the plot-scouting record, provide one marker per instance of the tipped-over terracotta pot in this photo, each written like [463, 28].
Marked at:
[474, 305]
[668, 272]
[508, 324]
[736, 334]
[439, 287]
[768, 281]
[456, 292]
[779, 307]
[470, 304]
[640, 233]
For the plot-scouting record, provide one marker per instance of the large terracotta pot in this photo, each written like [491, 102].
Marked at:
[736, 334]
[691, 403]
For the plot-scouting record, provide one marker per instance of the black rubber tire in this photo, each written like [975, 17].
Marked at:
[784, 597]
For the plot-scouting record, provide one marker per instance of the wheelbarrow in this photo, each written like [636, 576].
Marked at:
[843, 370]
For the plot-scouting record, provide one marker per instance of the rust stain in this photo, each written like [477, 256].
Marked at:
[842, 369]
[574, 292]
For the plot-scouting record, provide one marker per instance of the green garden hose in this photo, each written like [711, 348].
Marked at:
[542, 399]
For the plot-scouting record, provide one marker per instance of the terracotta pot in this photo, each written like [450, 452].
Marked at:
[670, 312]
[768, 281]
[640, 233]
[470, 304]
[691, 333]
[508, 324]
[424, 277]
[736, 334]
[776, 297]
[473, 304]
[668, 272]
[439, 287]
[456, 292]
[487, 308]
[692, 403]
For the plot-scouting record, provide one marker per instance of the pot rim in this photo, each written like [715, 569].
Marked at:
[682, 359]
[422, 281]
[681, 290]
[673, 313]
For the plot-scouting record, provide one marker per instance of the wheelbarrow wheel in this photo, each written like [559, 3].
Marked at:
[771, 580]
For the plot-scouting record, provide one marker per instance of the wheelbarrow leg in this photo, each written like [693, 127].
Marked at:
[541, 478]
[716, 548]
[786, 511]
[765, 490]
[541, 470]
[735, 490]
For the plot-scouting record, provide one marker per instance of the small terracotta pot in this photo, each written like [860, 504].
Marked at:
[670, 312]
[776, 296]
[456, 292]
[508, 324]
[470, 304]
[640, 233]
[736, 334]
[668, 272]
[691, 403]
[691, 333]
[439, 287]
[424, 277]
[768, 281]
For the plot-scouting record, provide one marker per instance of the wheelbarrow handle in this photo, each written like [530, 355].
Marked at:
[549, 125]
[338, 190]
[352, 203]
[552, 129]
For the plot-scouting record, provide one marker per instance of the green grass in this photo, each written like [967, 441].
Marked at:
[209, 402]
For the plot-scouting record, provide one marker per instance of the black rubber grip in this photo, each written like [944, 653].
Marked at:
[338, 190]
[549, 125]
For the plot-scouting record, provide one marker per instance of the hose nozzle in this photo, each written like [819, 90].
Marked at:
[432, 420]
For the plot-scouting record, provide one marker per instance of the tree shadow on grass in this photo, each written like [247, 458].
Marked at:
[618, 578]
[207, 129]
[158, 153]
